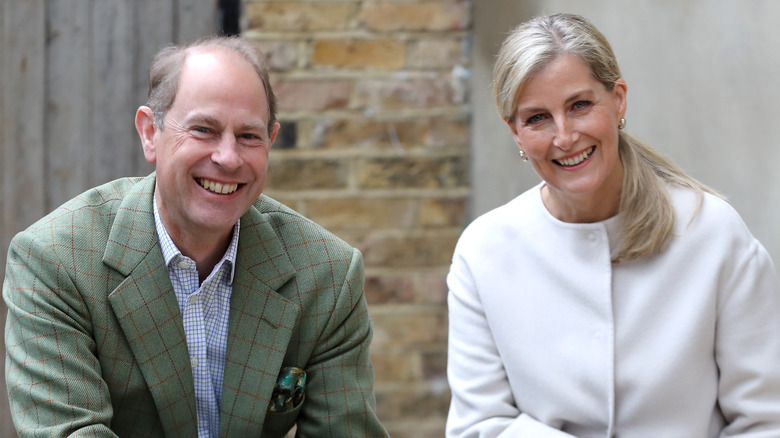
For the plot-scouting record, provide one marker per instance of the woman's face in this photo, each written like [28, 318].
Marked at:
[567, 124]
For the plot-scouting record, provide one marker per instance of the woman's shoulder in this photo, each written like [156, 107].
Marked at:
[510, 222]
[522, 208]
[690, 204]
[708, 214]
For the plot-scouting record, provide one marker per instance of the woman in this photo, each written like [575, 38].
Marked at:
[619, 297]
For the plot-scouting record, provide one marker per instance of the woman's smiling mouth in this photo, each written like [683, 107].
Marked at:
[577, 159]
[216, 187]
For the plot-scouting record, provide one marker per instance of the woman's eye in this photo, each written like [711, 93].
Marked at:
[536, 118]
[581, 104]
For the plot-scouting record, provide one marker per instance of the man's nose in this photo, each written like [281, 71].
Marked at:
[226, 153]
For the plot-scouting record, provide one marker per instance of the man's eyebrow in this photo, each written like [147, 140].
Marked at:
[258, 126]
[202, 118]
[211, 121]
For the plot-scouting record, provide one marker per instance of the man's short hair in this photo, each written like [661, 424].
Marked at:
[167, 65]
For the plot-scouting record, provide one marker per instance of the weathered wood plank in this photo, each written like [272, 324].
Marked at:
[112, 99]
[196, 19]
[24, 101]
[23, 83]
[6, 426]
[67, 108]
[154, 20]
[68, 98]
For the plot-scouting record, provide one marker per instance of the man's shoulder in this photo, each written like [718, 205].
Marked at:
[90, 211]
[293, 228]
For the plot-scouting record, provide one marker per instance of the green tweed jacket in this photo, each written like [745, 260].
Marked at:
[95, 340]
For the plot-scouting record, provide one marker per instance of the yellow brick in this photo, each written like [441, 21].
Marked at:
[385, 289]
[390, 367]
[345, 53]
[409, 251]
[405, 93]
[365, 133]
[312, 95]
[362, 213]
[437, 53]
[299, 174]
[431, 173]
[299, 16]
[434, 16]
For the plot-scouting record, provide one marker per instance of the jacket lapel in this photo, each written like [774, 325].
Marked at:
[261, 324]
[146, 308]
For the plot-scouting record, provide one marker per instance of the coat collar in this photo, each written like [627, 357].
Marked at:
[260, 322]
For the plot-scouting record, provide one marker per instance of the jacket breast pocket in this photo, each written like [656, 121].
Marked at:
[277, 424]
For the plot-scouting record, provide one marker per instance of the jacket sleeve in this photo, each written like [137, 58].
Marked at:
[340, 379]
[54, 380]
[482, 404]
[747, 347]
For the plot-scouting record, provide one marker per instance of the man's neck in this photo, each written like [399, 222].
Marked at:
[205, 250]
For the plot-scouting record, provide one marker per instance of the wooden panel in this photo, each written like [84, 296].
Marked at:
[67, 108]
[154, 20]
[6, 427]
[112, 150]
[68, 97]
[24, 83]
[23, 102]
[196, 19]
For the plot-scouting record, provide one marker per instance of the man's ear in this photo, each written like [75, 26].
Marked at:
[144, 124]
[274, 131]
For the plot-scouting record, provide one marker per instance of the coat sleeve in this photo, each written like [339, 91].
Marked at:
[340, 378]
[54, 380]
[748, 343]
[482, 404]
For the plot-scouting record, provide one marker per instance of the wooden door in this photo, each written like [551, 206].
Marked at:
[73, 74]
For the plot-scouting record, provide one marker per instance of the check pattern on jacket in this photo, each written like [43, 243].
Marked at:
[96, 345]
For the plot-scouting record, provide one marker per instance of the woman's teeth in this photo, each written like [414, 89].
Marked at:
[577, 159]
[217, 187]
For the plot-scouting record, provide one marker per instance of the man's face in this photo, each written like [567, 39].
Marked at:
[212, 156]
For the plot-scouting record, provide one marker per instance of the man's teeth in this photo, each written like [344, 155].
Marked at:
[217, 187]
[577, 159]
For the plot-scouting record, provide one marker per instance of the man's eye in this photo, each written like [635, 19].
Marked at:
[201, 130]
[250, 139]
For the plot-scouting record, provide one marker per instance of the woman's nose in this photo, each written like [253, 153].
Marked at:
[566, 136]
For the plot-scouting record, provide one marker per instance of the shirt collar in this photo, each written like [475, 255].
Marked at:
[171, 252]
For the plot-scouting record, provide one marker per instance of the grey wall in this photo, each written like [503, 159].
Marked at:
[703, 87]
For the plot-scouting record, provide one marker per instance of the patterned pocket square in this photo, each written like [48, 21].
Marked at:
[288, 391]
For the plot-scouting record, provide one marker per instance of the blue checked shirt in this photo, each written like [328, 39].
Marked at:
[204, 309]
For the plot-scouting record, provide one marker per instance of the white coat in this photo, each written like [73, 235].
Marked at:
[549, 338]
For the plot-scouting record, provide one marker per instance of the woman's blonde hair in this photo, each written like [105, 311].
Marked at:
[645, 212]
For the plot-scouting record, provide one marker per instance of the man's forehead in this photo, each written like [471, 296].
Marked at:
[213, 57]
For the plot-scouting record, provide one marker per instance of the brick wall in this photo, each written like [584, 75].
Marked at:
[374, 146]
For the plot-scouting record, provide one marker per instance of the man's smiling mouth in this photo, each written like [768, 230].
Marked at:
[216, 187]
[577, 159]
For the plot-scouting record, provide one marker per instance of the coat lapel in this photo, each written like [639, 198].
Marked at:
[261, 324]
[147, 310]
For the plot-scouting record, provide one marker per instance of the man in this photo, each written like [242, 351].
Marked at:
[186, 303]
